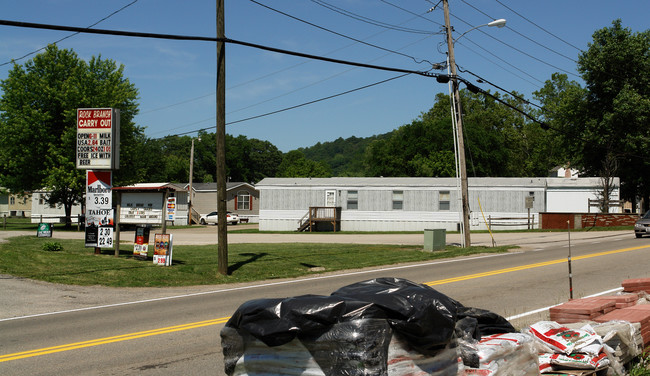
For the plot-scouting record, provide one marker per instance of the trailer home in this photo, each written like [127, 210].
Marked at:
[415, 204]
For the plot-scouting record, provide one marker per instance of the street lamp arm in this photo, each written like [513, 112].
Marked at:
[501, 22]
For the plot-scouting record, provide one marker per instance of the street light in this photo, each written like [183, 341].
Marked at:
[501, 22]
[458, 114]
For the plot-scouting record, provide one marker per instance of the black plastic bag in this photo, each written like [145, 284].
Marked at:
[423, 316]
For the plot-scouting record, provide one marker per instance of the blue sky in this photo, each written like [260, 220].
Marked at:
[177, 79]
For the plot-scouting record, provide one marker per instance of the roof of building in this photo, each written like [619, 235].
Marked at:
[426, 182]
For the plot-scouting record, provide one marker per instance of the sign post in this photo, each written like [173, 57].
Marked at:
[99, 209]
[98, 152]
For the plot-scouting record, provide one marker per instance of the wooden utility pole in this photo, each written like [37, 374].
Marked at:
[459, 123]
[189, 196]
[222, 231]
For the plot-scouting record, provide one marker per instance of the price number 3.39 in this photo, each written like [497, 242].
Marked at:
[102, 200]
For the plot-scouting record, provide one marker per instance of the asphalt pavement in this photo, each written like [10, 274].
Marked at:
[24, 297]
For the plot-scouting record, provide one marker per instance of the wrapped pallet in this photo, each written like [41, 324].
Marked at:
[385, 326]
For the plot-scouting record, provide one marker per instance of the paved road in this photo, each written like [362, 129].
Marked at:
[22, 297]
[208, 235]
[508, 284]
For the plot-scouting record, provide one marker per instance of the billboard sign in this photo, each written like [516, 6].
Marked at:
[141, 242]
[98, 138]
[171, 208]
[99, 202]
[162, 253]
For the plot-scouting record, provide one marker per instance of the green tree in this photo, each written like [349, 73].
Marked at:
[38, 122]
[498, 142]
[605, 124]
[295, 165]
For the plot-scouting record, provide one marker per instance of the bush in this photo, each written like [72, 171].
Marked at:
[52, 247]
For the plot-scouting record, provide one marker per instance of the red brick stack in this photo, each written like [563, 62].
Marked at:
[581, 309]
[636, 285]
[638, 313]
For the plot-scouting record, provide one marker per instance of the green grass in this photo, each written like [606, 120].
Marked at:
[197, 265]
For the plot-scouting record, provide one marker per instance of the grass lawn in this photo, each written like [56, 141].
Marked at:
[73, 263]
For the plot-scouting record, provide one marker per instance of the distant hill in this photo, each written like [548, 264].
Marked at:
[344, 156]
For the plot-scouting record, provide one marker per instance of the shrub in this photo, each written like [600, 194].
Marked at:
[52, 247]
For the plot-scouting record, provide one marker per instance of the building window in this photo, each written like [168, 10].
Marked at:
[12, 201]
[444, 200]
[353, 199]
[398, 200]
[40, 200]
[243, 200]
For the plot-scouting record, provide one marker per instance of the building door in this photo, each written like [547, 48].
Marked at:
[330, 198]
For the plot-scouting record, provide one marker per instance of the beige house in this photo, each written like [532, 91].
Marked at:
[242, 198]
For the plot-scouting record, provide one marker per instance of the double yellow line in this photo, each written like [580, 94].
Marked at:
[530, 266]
[103, 341]
[199, 324]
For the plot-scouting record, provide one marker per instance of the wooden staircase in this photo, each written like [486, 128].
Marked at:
[322, 214]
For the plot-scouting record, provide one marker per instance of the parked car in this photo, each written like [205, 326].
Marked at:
[642, 226]
[231, 218]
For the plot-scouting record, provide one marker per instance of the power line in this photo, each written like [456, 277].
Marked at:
[296, 106]
[370, 20]
[520, 34]
[415, 14]
[71, 35]
[273, 73]
[208, 39]
[502, 59]
[342, 35]
[518, 50]
[500, 88]
[541, 28]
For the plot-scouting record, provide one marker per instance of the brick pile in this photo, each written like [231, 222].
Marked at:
[586, 309]
[610, 308]
[636, 285]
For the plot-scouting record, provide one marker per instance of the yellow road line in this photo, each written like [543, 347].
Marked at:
[199, 324]
[530, 266]
[102, 341]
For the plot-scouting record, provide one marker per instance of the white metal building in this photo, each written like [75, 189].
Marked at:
[415, 204]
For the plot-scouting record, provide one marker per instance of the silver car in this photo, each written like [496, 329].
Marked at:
[642, 226]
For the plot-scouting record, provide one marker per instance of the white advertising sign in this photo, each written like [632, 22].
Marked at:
[99, 202]
[171, 208]
[105, 237]
[98, 138]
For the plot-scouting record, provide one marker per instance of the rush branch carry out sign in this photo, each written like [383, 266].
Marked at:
[98, 143]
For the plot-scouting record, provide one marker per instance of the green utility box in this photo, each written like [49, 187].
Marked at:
[435, 239]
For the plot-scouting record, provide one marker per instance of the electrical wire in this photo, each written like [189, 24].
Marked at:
[519, 50]
[501, 59]
[541, 28]
[415, 14]
[520, 34]
[342, 35]
[208, 39]
[522, 99]
[69, 36]
[370, 20]
[292, 107]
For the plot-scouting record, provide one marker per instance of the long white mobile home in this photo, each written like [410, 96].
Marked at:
[415, 204]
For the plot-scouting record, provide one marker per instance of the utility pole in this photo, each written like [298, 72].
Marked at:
[459, 123]
[222, 230]
[189, 197]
